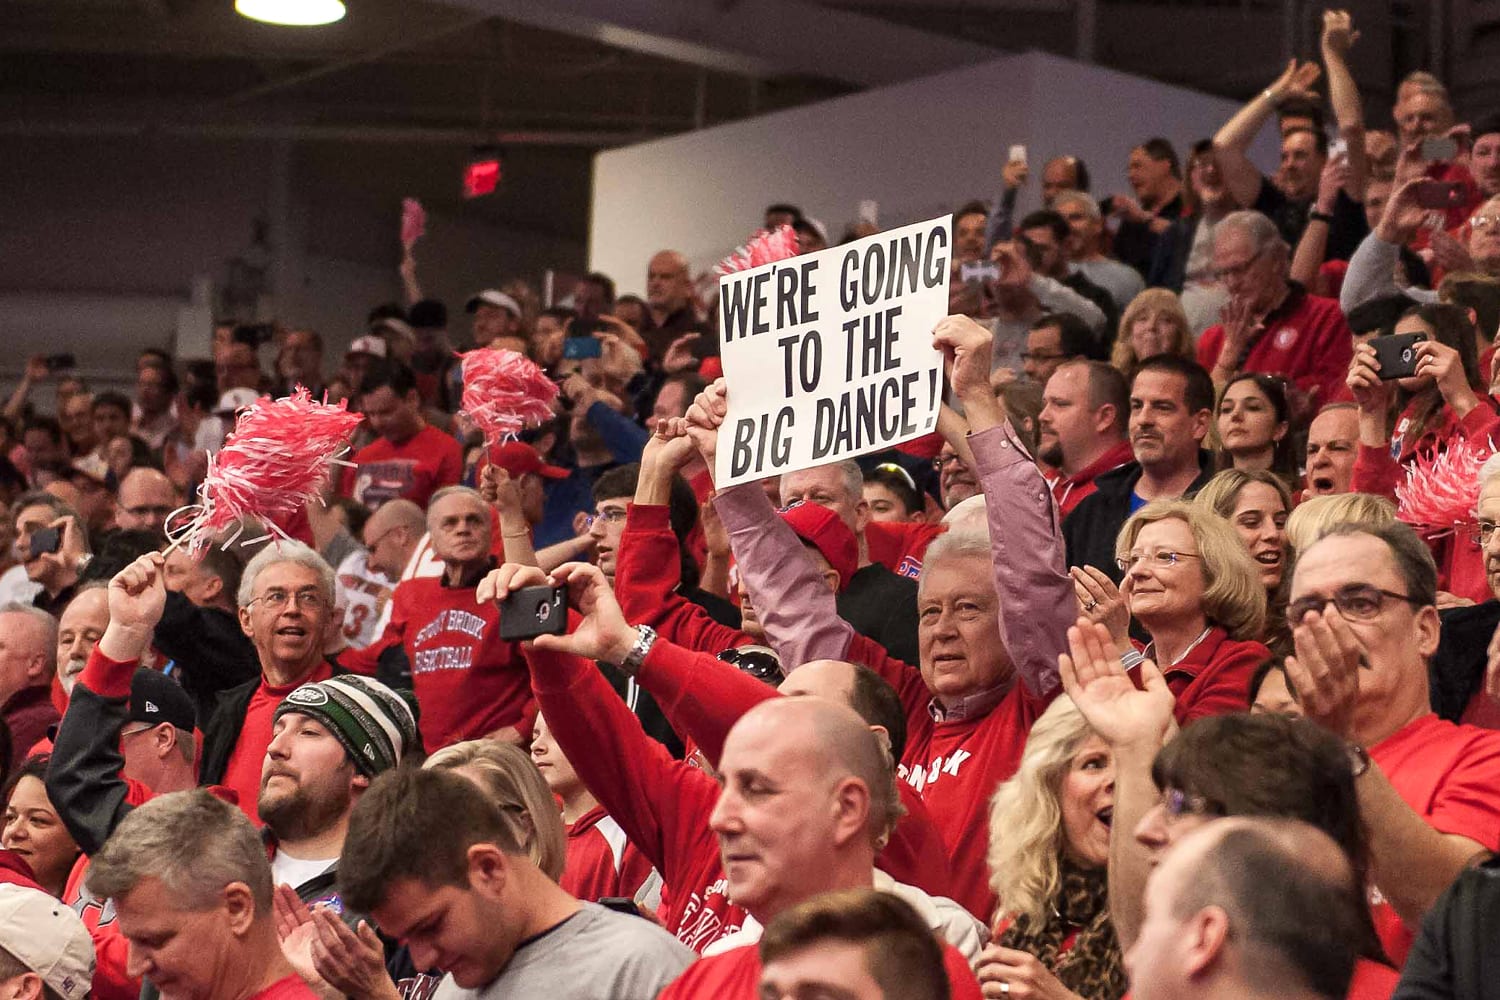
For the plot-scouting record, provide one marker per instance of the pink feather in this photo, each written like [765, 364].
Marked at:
[413, 222]
[1440, 491]
[273, 464]
[763, 248]
[504, 392]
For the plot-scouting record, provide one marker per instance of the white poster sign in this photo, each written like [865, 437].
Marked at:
[829, 355]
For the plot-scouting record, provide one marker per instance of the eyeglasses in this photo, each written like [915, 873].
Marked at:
[1221, 273]
[1482, 531]
[1358, 602]
[610, 515]
[943, 461]
[1160, 559]
[276, 599]
[1479, 222]
[1178, 803]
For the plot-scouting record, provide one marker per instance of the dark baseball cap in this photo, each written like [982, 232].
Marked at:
[156, 698]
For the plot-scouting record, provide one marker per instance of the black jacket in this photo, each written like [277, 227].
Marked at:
[1455, 955]
[224, 725]
[1090, 531]
[1456, 671]
[210, 650]
[882, 605]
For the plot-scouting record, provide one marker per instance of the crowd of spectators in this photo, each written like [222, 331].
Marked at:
[1168, 665]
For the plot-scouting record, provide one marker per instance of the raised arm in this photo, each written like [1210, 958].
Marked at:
[701, 695]
[1232, 142]
[1031, 578]
[1338, 38]
[502, 492]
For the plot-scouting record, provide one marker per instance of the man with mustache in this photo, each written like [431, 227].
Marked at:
[1171, 408]
[82, 623]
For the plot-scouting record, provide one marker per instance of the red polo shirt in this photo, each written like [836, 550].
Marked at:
[1305, 339]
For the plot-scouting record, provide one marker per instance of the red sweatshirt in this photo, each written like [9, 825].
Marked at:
[468, 681]
[955, 756]
[601, 860]
[1214, 677]
[735, 975]
[662, 804]
[703, 698]
[1379, 471]
[1305, 339]
[1450, 776]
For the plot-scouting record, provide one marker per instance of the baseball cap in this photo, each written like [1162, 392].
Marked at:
[494, 297]
[823, 530]
[48, 938]
[519, 458]
[369, 344]
[93, 467]
[235, 400]
[399, 327]
[156, 698]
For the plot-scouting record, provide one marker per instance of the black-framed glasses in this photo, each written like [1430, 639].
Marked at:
[757, 661]
[1235, 270]
[943, 461]
[1482, 531]
[1161, 559]
[610, 515]
[1359, 602]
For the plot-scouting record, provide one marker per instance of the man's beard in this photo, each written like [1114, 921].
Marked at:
[298, 814]
[1051, 454]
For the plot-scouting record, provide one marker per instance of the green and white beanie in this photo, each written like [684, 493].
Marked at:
[374, 723]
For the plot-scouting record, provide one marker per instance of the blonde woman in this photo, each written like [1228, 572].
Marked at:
[1256, 504]
[1153, 323]
[1315, 515]
[1195, 591]
[1049, 845]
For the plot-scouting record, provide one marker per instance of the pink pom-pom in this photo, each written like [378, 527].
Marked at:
[763, 248]
[273, 463]
[413, 221]
[1440, 491]
[504, 392]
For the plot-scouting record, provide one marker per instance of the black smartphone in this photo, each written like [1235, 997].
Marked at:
[620, 904]
[1438, 194]
[45, 541]
[533, 611]
[60, 362]
[579, 348]
[1397, 354]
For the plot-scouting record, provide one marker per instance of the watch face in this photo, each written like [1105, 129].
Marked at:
[1359, 759]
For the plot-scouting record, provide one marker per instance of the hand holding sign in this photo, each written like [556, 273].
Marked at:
[705, 417]
[828, 352]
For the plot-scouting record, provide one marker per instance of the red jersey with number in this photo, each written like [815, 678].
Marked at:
[1450, 776]
[413, 470]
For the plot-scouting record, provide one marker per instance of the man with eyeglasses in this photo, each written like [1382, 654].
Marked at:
[1372, 268]
[146, 498]
[1270, 324]
[1364, 625]
[1053, 340]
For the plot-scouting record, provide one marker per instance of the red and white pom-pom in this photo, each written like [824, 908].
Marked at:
[1440, 492]
[504, 392]
[273, 464]
[413, 222]
[763, 248]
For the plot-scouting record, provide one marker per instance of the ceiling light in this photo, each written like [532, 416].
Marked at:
[292, 12]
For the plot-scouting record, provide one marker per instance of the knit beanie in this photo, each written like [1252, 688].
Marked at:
[374, 723]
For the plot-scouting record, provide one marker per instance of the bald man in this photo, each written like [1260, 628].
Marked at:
[669, 300]
[808, 796]
[391, 535]
[368, 575]
[1245, 908]
[147, 496]
[78, 630]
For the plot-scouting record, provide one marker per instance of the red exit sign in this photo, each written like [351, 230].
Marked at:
[481, 177]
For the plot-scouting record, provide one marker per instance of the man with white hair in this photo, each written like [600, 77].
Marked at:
[82, 623]
[28, 659]
[1270, 325]
[1085, 249]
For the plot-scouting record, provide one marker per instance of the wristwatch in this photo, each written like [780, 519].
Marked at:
[645, 639]
[1359, 759]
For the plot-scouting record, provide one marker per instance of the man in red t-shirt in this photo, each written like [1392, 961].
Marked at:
[410, 458]
[1364, 624]
[1270, 325]
[200, 921]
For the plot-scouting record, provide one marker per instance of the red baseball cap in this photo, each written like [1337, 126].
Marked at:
[519, 458]
[823, 530]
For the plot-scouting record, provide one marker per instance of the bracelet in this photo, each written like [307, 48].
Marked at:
[515, 534]
[645, 639]
[1316, 216]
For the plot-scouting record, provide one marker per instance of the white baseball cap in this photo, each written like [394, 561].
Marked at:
[493, 297]
[235, 400]
[368, 344]
[48, 938]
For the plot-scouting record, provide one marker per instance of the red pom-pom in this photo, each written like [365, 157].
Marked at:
[273, 463]
[1440, 491]
[413, 221]
[504, 392]
[763, 248]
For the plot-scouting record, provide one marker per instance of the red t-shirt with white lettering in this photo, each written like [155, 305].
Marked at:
[413, 470]
[1450, 776]
[1306, 339]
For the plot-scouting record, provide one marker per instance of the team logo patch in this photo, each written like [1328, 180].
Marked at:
[909, 567]
[1286, 338]
[308, 695]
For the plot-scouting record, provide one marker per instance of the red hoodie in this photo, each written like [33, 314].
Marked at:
[601, 860]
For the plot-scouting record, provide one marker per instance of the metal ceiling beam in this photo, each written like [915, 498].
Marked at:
[762, 38]
[79, 128]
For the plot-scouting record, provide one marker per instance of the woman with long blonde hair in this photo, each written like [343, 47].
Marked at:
[1049, 847]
